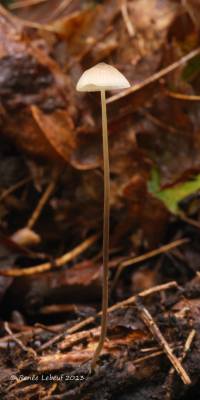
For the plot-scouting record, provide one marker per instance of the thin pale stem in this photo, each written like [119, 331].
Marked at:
[106, 223]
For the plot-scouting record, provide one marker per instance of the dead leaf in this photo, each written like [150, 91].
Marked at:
[58, 129]
[32, 84]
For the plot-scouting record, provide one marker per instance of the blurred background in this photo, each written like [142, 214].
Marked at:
[51, 176]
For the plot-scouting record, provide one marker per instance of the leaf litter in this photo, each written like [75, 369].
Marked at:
[154, 151]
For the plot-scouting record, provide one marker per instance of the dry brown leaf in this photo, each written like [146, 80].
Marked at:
[36, 96]
[58, 129]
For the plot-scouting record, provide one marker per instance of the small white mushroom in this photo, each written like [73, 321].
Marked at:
[100, 78]
[26, 237]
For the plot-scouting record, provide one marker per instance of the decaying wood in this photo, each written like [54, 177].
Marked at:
[75, 350]
[76, 337]
[124, 303]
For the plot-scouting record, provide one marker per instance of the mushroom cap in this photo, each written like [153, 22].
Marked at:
[101, 77]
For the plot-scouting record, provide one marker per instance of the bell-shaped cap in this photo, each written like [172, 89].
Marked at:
[101, 77]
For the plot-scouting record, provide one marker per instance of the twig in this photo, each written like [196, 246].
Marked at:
[50, 391]
[23, 22]
[182, 96]
[44, 327]
[155, 77]
[63, 5]
[52, 341]
[188, 343]
[154, 329]
[126, 18]
[22, 392]
[58, 361]
[18, 341]
[25, 3]
[76, 337]
[186, 349]
[14, 188]
[43, 200]
[124, 303]
[61, 308]
[29, 332]
[151, 355]
[59, 262]
[190, 221]
[147, 256]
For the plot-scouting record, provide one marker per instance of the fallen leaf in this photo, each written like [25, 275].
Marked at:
[172, 196]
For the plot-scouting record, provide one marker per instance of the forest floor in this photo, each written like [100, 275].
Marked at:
[51, 201]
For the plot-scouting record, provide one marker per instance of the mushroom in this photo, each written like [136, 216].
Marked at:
[100, 78]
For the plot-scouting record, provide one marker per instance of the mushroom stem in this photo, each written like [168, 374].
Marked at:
[106, 223]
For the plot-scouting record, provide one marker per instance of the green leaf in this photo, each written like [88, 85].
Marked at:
[173, 195]
[192, 69]
[154, 183]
